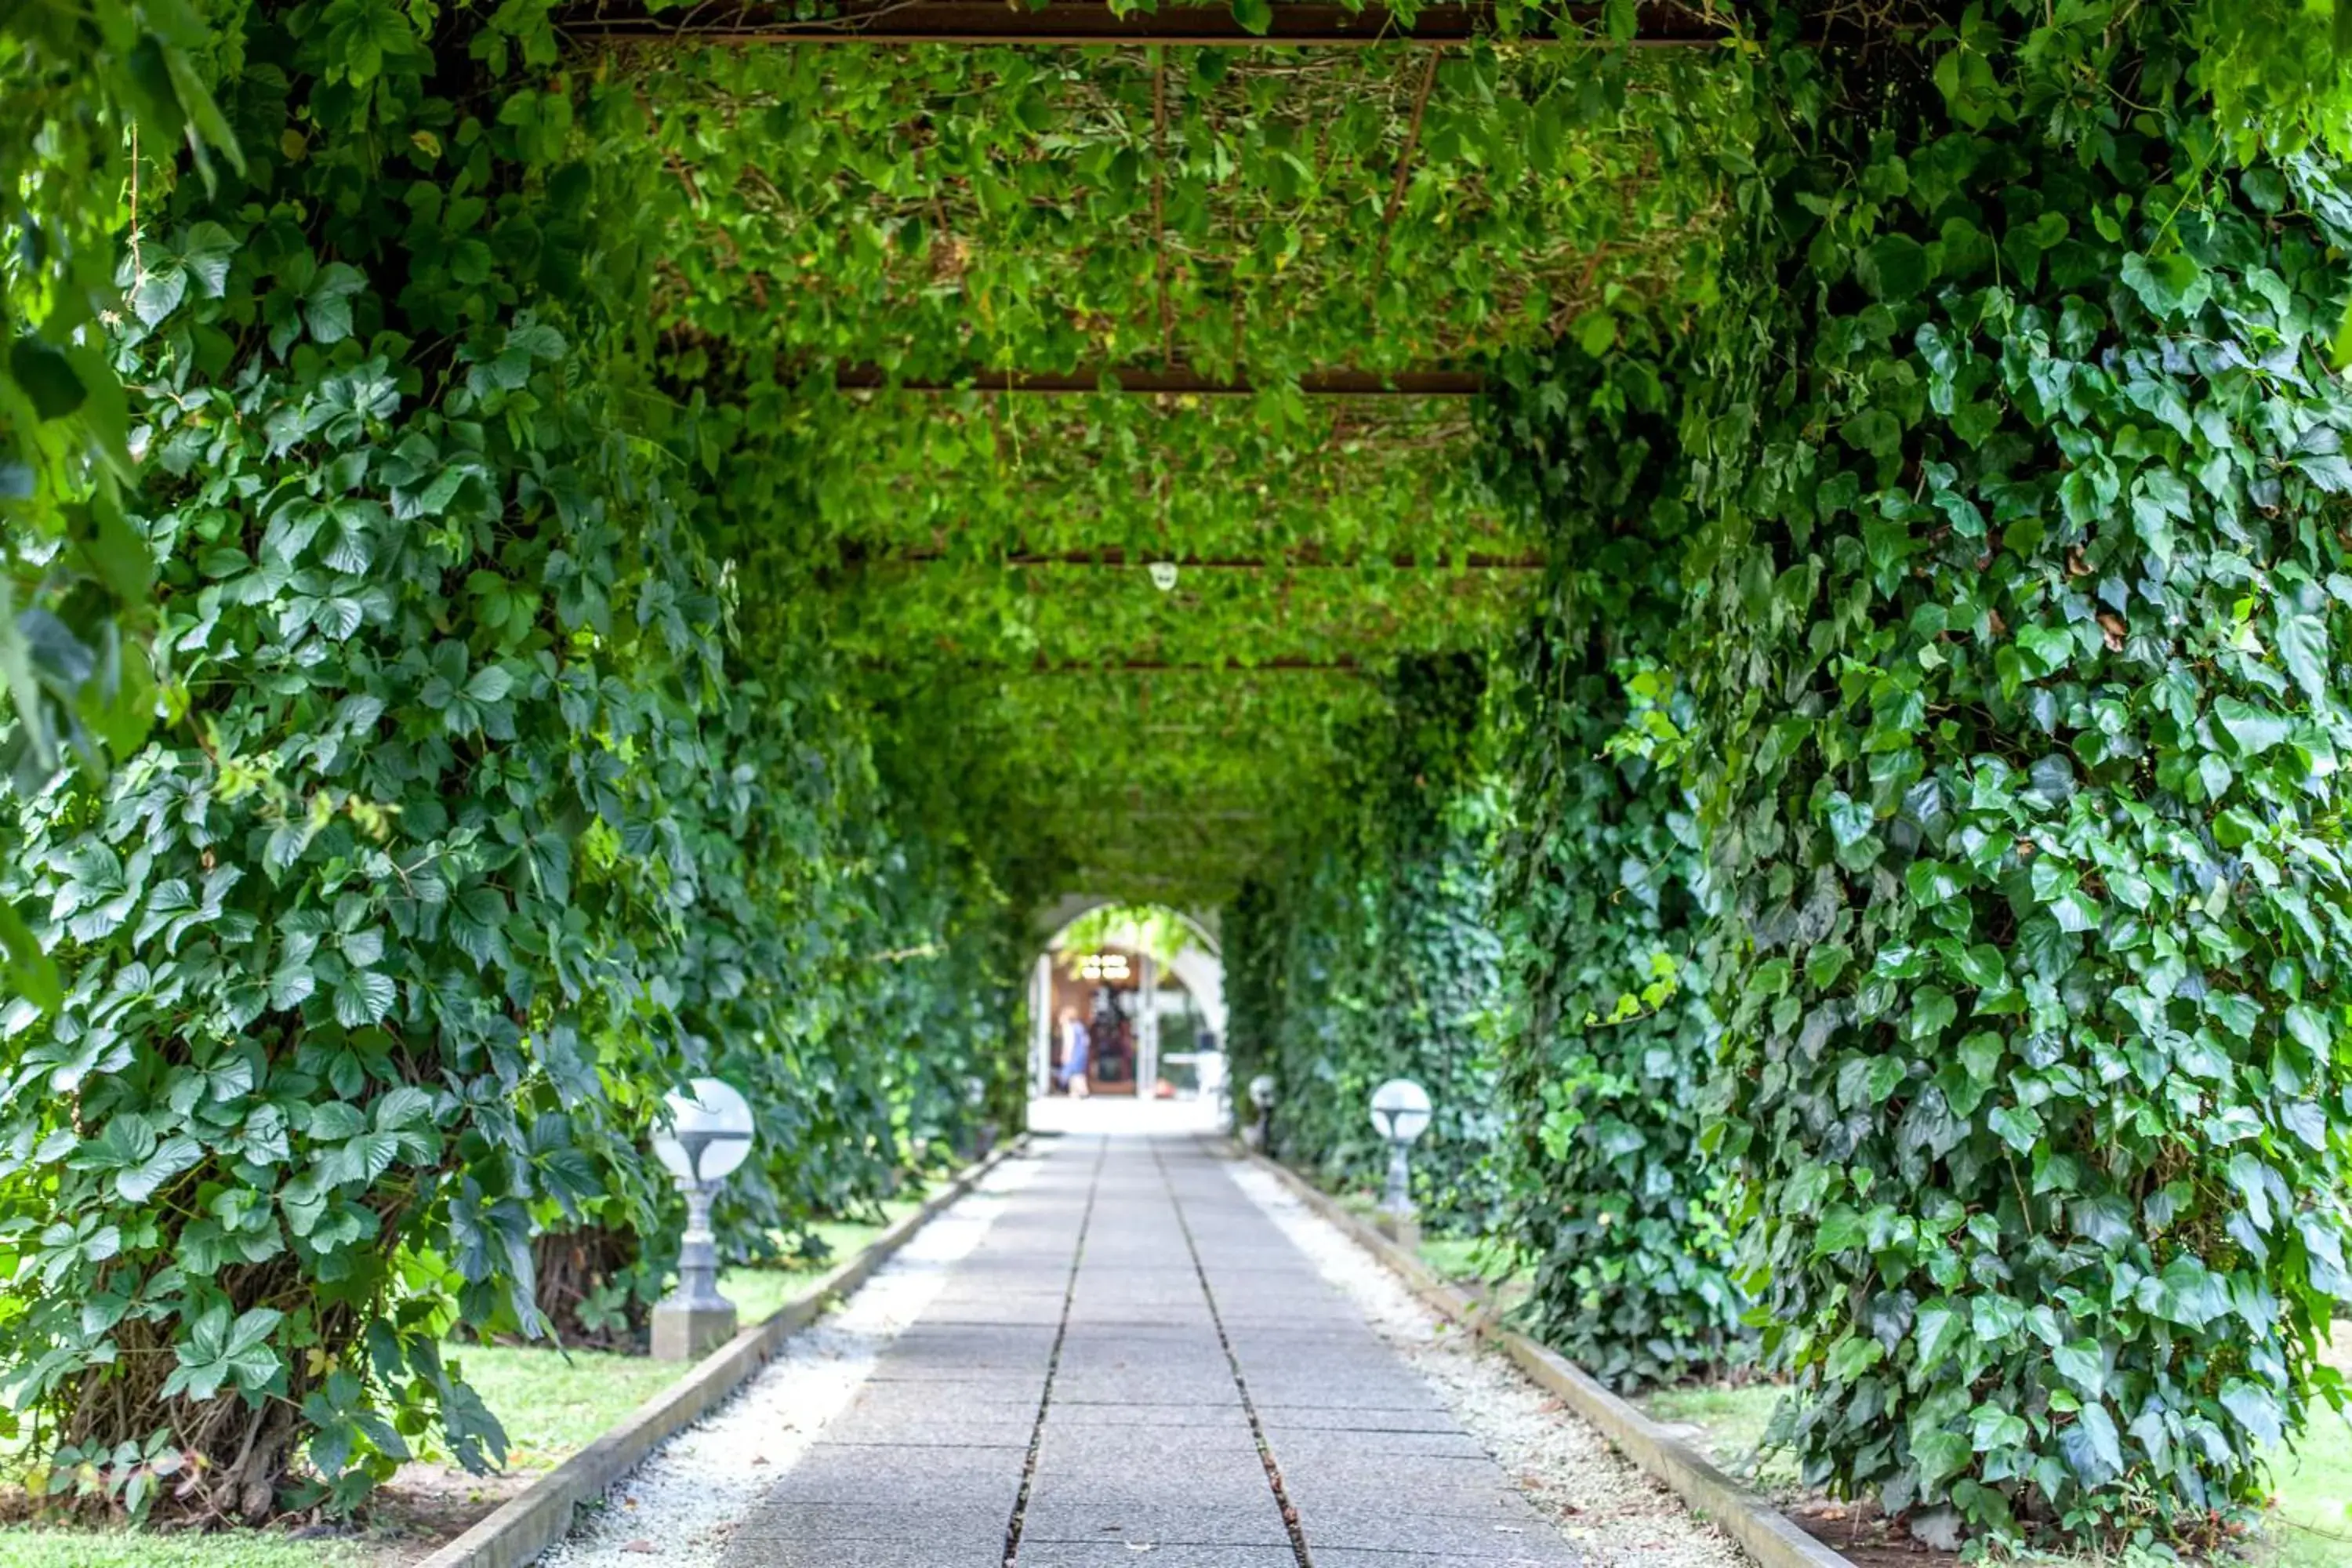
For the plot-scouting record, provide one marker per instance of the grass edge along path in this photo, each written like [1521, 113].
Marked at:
[553, 1401]
[2310, 1519]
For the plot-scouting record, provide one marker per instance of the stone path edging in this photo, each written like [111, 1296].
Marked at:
[1762, 1530]
[540, 1514]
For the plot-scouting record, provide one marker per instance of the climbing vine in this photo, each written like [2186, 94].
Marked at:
[1628, 1222]
[1373, 959]
[2018, 646]
[513, 594]
[463, 834]
[82, 84]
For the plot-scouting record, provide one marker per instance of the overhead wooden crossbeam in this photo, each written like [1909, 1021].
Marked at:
[1214, 667]
[1101, 814]
[1169, 382]
[1285, 665]
[1081, 22]
[1294, 561]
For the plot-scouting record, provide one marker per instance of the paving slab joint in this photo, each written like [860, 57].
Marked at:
[1018, 1523]
[1766, 1534]
[541, 1514]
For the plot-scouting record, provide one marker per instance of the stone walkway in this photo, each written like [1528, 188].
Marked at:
[1135, 1360]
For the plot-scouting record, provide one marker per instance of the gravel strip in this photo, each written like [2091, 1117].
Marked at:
[1612, 1511]
[680, 1506]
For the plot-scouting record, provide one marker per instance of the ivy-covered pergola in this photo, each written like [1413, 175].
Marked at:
[1753, 591]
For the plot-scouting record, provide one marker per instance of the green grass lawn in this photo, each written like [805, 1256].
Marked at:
[1731, 1423]
[26, 1546]
[1454, 1257]
[555, 1403]
[1474, 1259]
[758, 1293]
[2313, 1520]
[1468, 1258]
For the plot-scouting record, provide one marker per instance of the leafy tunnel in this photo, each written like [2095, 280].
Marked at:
[1748, 591]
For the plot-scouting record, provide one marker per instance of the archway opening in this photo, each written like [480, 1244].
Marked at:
[1127, 1006]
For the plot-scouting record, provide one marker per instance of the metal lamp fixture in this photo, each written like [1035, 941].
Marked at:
[1163, 575]
[1260, 1093]
[1400, 1113]
[708, 1136]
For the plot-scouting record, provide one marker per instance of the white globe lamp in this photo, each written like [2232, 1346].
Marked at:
[704, 1134]
[1400, 1113]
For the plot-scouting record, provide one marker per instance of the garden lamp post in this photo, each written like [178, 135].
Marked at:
[1400, 1113]
[1260, 1093]
[708, 1135]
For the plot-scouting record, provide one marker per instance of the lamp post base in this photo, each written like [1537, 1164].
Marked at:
[1403, 1228]
[686, 1332]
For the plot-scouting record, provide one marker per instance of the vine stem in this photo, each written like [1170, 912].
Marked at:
[1158, 199]
[1404, 163]
[138, 267]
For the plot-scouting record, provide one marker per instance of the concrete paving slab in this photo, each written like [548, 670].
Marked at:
[1121, 1554]
[1438, 1533]
[1305, 1445]
[899, 1479]
[1328, 1557]
[1349, 1418]
[1170, 1523]
[1081, 1413]
[1123, 1376]
[935, 1551]
[872, 1519]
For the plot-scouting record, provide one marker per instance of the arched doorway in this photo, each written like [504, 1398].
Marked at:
[1149, 984]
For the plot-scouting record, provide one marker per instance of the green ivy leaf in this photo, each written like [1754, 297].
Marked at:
[363, 996]
[47, 376]
[327, 306]
[2080, 1364]
[219, 1352]
[2254, 729]
[1939, 1454]
[2256, 1409]
[140, 1181]
[1894, 267]
[2303, 648]
[2092, 1447]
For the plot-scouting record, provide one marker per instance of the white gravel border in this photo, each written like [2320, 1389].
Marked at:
[1602, 1503]
[688, 1499]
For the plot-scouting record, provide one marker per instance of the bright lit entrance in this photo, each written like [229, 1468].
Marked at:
[1127, 1002]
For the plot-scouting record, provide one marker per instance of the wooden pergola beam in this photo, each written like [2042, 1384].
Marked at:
[1213, 666]
[1064, 23]
[1101, 814]
[1284, 666]
[1168, 382]
[1118, 558]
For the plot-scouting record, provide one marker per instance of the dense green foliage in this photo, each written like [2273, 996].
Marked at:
[1373, 959]
[1227, 213]
[2018, 639]
[1627, 1224]
[466, 835]
[81, 83]
[510, 655]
